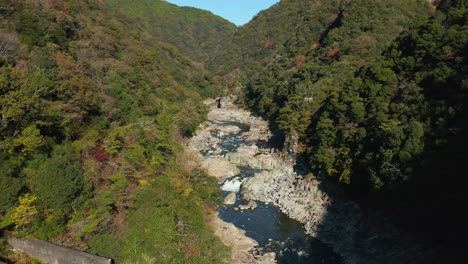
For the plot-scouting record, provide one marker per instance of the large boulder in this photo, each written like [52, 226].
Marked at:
[243, 155]
[230, 199]
[220, 168]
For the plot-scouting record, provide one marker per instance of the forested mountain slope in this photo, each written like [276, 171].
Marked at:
[280, 39]
[371, 93]
[196, 33]
[91, 109]
[96, 96]
[304, 71]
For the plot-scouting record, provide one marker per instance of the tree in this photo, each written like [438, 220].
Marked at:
[288, 119]
[29, 141]
[25, 211]
[10, 185]
[16, 100]
[56, 181]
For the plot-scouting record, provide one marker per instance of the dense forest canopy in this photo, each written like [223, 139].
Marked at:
[374, 91]
[371, 87]
[194, 32]
[92, 109]
[96, 97]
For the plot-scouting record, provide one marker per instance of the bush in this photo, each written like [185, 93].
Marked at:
[10, 186]
[56, 181]
[37, 30]
[166, 226]
[52, 225]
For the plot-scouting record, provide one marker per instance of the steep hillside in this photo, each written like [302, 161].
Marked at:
[397, 131]
[396, 112]
[196, 33]
[290, 24]
[312, 56]
[96, 97]
[286, 35]
[299, 73]
[92, 108]
[372, 94]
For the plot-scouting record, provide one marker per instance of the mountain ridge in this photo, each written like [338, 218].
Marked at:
[97, 97]
[195, 32]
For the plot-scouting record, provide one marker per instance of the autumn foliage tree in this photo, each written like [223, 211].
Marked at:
[25, 211]
[92, 103]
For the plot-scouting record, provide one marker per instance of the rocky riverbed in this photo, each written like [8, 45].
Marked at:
[214, 158]
[232, 139]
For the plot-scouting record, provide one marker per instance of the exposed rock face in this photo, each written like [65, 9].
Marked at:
[220, 168]
[251, 205]
[230, 199]
[221, 165]
[226, 120]
[235, 238]
[327, 214]
[257, 158]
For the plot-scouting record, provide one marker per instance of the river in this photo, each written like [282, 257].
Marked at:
[228, 130]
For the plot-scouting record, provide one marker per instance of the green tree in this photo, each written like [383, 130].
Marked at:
[56, 181]
[10, 185]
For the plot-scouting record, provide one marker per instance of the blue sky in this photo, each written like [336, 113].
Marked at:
[237, 11]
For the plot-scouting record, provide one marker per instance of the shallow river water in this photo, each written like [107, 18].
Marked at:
[272, 229]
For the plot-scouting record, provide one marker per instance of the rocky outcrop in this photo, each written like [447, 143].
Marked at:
[359, 236]
[250, 129]
[225, 121]
[220, 168]
[235, 238]
[230, 199]
[251, 205]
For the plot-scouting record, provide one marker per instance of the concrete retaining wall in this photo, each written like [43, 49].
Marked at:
[54, 254]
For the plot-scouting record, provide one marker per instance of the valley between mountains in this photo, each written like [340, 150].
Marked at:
[319, 132]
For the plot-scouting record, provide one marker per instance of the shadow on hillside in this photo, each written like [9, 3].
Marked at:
[422, 224]
[425, 223]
